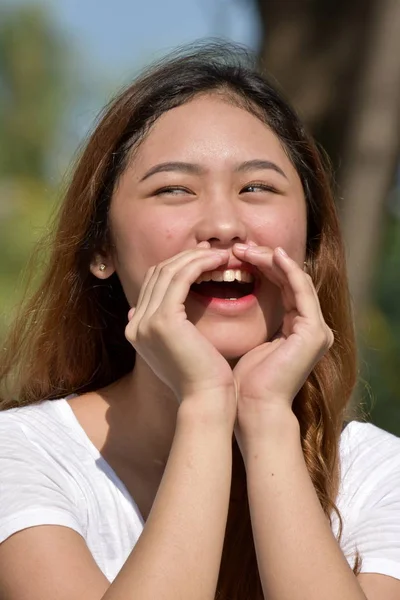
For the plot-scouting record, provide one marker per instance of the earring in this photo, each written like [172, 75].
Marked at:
[305, 266]
[102, 267]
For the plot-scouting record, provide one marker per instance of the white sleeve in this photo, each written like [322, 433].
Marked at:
[378, 537]
[375, 523]
[33, 488]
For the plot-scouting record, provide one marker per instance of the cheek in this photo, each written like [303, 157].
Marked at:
[141, 241]
[156, 238]
[286, 228]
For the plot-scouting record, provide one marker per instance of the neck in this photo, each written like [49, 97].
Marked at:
[141, 416]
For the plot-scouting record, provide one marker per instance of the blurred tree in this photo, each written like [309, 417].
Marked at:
[339, 63]
[31, 74]
[382, 331]
[33, 79]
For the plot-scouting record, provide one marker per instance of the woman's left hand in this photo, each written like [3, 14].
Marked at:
[269, 376]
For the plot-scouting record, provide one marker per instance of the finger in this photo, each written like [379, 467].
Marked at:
[289, 295]
[298, 289]
[146, 290]
[206, 260]
[329, 332]
[152, 276]
[314, 291]
[302, 297]
[144, 287]
[265, 259]
[289, 292]
[178, 290]
[262, 258]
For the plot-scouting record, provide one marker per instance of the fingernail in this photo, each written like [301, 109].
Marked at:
[241, 246]
[281, 251]
[203, 244]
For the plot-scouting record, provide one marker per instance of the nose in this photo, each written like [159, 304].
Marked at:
[221, 223]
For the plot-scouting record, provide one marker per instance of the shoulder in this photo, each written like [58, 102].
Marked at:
[369, 497]
[34, 436]
[360, 438]
[39, 447]
[43, 437]
[358, 432]
[15, 426]
[36, 486]
[368, 451]
[370, 465]
[368, 447]
[43, 422]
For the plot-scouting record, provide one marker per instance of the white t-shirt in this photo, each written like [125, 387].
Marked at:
[52, 474]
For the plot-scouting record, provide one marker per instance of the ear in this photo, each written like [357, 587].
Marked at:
[102, 267]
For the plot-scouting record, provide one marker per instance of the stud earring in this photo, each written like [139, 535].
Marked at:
[102, 267]
[305, 266]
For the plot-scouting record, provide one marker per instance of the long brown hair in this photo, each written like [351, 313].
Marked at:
[70, 337]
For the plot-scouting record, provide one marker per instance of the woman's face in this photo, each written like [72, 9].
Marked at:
[231, 182]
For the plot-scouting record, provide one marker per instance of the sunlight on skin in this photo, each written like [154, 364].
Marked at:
[214, 203]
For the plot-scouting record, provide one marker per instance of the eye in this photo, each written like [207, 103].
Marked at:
[172, 191]
[258, 186]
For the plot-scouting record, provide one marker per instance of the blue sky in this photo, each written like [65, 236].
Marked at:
[112, 39]
[120, 34]
[117, 36]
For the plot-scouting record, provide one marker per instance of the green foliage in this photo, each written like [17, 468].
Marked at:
[381, 333]
[31, 66]
[33, 75]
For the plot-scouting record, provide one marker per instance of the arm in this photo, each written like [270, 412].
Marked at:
[178, 554]
[298, 555]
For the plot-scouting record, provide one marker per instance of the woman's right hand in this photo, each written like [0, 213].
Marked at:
[161, 333]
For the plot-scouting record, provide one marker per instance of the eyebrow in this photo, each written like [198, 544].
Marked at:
[259, 165]
[194, 169]
[183, 167]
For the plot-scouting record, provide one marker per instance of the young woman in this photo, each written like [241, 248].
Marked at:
[175, 392]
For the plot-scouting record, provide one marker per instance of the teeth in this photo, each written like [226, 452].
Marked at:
[227, 275]
[217, 276]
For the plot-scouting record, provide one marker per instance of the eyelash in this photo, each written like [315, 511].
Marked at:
[262, 186]
[172, 188]
[255, 184]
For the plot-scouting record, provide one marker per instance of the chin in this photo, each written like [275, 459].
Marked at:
[234, 352]
[234, 342]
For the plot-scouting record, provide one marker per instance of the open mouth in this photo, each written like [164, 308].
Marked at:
[232, 290]
[226, 285]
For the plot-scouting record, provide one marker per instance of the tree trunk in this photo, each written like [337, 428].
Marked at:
[372, 150]
[339, 64]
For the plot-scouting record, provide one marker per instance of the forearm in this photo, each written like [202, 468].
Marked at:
[179, 552]
[298, 556]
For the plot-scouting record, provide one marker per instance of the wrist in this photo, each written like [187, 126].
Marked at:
[271, 420]
[276, 427]
[209, 408]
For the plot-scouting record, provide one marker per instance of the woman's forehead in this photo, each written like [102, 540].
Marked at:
[212, 132]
